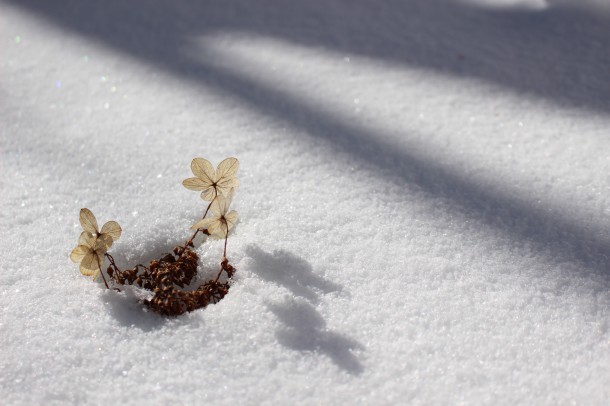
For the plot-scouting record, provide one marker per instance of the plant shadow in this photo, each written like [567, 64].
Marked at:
[288, 270]
[302, 327]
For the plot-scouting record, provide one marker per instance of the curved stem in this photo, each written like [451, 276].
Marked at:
[190, 240]
[111, 259]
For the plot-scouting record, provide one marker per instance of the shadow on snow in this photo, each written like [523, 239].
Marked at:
[302, 327]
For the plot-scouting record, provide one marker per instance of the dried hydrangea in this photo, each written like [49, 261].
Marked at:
[212, 182]
[222, 220]
[94, 243]
[167, 278]
[110, 232]
[90, 253]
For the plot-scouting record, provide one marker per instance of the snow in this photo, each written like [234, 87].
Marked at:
[424, 208]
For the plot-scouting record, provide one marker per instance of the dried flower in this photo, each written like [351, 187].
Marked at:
[221, 221]
[168, 278]
[111, 229]
[212, 182]
[90, 253]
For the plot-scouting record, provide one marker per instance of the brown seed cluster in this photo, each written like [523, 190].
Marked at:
[168, 276]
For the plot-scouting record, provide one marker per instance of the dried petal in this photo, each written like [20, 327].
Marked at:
[103, 244]
[196, 184]
[205, 223]
[231, 218]
[226, 184]
[88, 221]
[209, 194]
[79, 253]
[227, 168]
[87, 239]
[215, 227]
[113, 229]
[86, 272]
[203, 169]
[90, 264]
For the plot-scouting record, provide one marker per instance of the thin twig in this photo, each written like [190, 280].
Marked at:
[190, 240]
[101, 271]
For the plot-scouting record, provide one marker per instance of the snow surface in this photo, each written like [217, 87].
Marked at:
[424, 209]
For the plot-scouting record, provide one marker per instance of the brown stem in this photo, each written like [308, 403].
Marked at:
[190, 240]
[111, 259]
[101, 271]
[224, 255]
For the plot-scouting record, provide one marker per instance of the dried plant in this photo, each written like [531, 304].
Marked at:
[93, 244]
[167, 277]
[213, 182]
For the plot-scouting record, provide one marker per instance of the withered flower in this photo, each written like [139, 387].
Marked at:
[111, 229]
[212, 182]
[94, 243]
[221, 220]
[90, 253]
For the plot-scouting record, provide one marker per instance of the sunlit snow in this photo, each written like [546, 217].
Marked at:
[424, 209]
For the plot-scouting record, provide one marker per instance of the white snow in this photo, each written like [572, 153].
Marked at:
[424, 209]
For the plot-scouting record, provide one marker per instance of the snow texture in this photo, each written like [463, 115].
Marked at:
[424, 209]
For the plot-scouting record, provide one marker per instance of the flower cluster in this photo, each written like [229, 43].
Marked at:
[93, 244]
[167, 277]
[213, 182]
[218, 187]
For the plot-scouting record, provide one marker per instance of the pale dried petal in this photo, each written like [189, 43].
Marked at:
[113, 229]
[87, 239]
[215, 207]
[227, 168]
[88, 221]
[103, 243]
[94, 273]
[205, 223]
[225, 202]
[87, 272]
[89, 264]
[226, 184]
[231, 218]
[196, 184]
[220, 206]
[215, 226]
[100, 257]
[203, 169]
[208, 195]
[79, 253]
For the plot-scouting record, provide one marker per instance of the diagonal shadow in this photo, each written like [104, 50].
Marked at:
[290, 271]
[558, 53]
[302, 327]
[157, 37]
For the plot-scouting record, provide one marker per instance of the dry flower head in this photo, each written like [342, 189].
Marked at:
[212, 182]
[222, 220]
[110, 229]
[93, 243]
